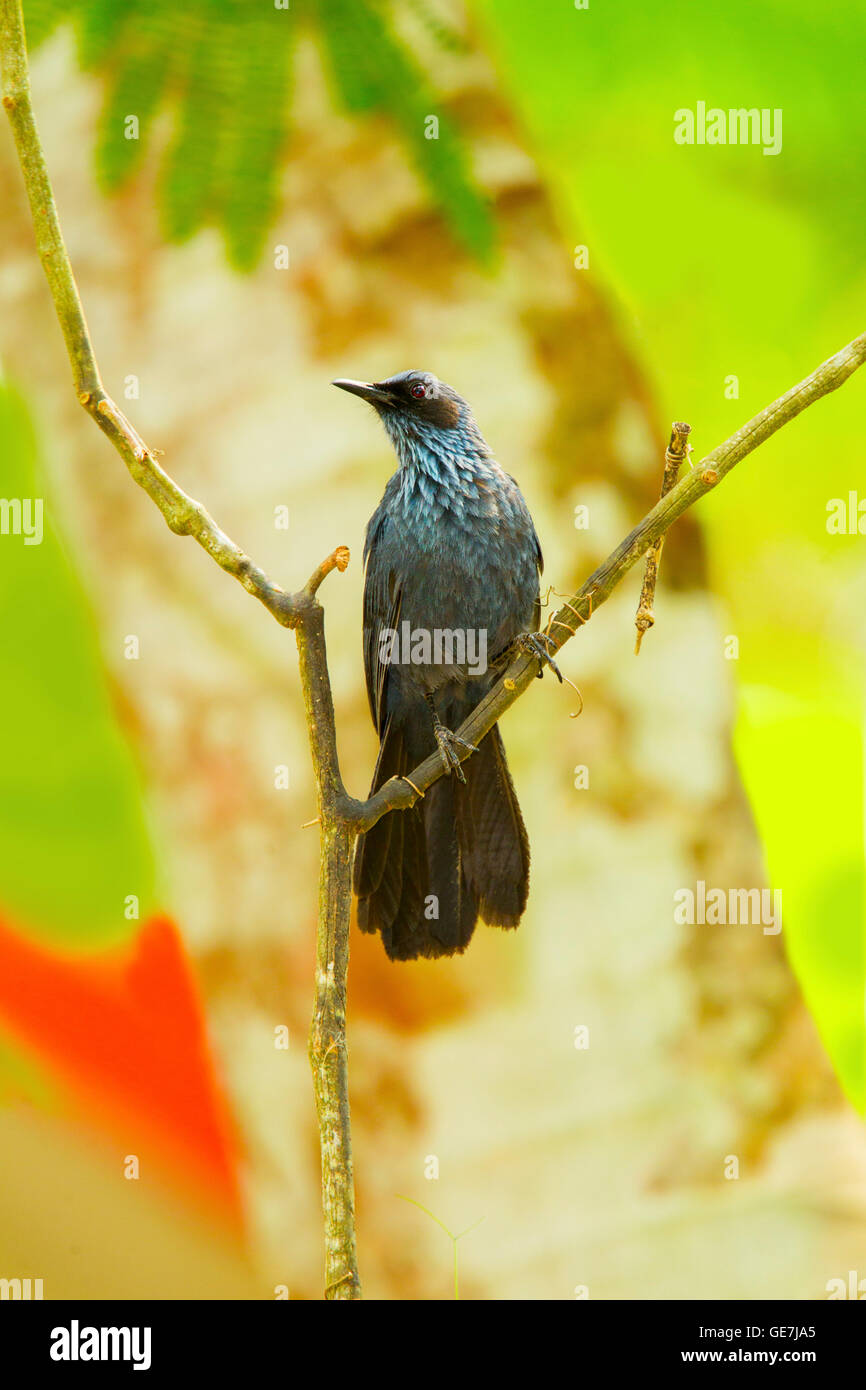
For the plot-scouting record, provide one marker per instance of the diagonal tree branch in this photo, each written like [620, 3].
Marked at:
[601, 583]
[341, 816]
[182, 513]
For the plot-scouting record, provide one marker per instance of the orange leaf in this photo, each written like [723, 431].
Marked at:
[124, 1032]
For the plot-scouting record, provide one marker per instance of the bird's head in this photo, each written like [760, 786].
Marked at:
[418, 410]
[417, 396]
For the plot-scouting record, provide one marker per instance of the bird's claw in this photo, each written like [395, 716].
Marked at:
[448, 742]
[539, 645]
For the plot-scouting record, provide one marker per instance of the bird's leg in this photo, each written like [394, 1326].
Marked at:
[541, 646]
[447, 742]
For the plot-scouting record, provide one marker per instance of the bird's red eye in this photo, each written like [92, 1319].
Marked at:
[418, 390]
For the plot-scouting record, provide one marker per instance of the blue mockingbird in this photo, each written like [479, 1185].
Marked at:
[451, 591]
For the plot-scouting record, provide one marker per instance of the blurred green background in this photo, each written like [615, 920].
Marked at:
[731, 262]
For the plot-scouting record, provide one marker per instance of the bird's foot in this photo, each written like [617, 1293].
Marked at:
[540, 645]
[448, 743]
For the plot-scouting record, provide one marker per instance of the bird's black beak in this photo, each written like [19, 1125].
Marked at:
[367, 390]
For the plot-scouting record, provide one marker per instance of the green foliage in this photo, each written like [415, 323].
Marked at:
[190, 183]
[254, 142]
[223, 68]
[72, 839]
[136, 83]
[373, 73]
[730, 262]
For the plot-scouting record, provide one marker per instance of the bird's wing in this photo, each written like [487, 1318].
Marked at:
[539, 565]
[382, 604]
[536, 543]
[537, 555]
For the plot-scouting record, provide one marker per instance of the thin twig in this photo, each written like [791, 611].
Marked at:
[338, 559]
[676, 451]
[453, 1238]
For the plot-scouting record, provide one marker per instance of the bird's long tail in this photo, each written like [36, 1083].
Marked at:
[424, 876]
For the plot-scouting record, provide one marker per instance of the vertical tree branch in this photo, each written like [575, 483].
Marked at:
[329, 1059]
[301, 611]
[327, 1043]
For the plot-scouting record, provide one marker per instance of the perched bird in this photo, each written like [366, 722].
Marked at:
[451, 591]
